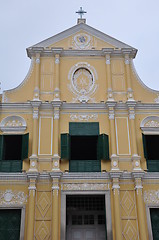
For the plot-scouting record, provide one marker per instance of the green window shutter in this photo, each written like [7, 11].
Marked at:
[65, 146]
[10, 224]
[144, 146]
[84, 165]
[5, 166]
[103, 147]
[84, 129]
[154, 213]
[16, 166]
[1, 146]
[25, 145]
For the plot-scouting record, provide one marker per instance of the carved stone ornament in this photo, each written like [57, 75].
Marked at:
[83, 117]
[13, 124]
[85, 186]
[150, 123]
[10, 197]
[82, 41]
[82, 79]
[151, 196]
[156, 99]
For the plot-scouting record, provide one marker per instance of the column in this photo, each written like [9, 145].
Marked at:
[128, 78]
[140, 205]
[114, 157]
[116, 202]
[56, 157]
[34, 156]
[55, 205]
[31, 205]
[135, 157]
[57, 75]
[37, 77]
[109, 80]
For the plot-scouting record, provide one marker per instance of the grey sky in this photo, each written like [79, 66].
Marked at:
[24, 23]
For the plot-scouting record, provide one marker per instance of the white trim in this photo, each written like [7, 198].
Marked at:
[22, 224]
[148, 206]
[13, 124]
[88, 29]
[150, 125]
[117, 137]
[24, 81]
[107, 206]
[40, 137]
[139, 79]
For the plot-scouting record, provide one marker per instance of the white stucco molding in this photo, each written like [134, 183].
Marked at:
[26, 79]
[150, 125]
[13, 124]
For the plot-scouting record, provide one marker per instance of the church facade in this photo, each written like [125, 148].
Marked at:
[79, 154]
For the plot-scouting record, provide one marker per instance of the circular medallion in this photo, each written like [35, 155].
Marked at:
[114, 163]
[137, 164]
[8, 196]
[82, 80]
[82, 40]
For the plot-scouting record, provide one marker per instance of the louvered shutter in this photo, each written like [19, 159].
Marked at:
[144, 146]
[103, 147]
[65, 146]
[25, 146]
[1, 146]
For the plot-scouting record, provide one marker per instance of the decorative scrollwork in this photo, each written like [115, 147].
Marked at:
[10, 197]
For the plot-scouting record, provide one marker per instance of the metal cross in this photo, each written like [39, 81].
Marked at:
[81, 12]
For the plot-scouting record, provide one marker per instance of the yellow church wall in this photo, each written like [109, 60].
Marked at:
[124, 183]
[18, 94]
[141, 91]
[66, 63]
[69, 42]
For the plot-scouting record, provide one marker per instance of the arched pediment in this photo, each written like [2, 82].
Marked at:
[150, 125]
[13, 124]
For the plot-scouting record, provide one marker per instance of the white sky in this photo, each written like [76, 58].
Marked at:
[24, 23]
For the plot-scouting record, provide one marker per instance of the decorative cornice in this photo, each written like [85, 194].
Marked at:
[85, 186]
[13, 176]
[151, 197]
[10, 198]
[64, 105]
[98, 53]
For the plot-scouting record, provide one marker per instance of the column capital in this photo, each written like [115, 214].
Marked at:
[138, 174]
[115, 174]
[111, 104]
[32, 175]
[57, 51]
[55, 175]
[35, 103]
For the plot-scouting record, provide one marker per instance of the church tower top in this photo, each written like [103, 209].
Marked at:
[81, 12]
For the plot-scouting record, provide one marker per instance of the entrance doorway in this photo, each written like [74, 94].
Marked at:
[85, 217]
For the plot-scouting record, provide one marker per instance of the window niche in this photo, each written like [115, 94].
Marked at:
[13, 144]
[150, 136]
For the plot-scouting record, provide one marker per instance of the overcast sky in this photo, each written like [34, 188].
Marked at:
[24, 23]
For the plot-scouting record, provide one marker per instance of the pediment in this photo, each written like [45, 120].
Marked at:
[81, 36]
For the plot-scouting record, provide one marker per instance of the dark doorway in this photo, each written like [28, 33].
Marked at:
[12, 147]
[85, 217]
[84, 147]
[10, 220]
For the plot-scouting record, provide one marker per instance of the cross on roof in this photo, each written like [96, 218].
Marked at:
[81, 12]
